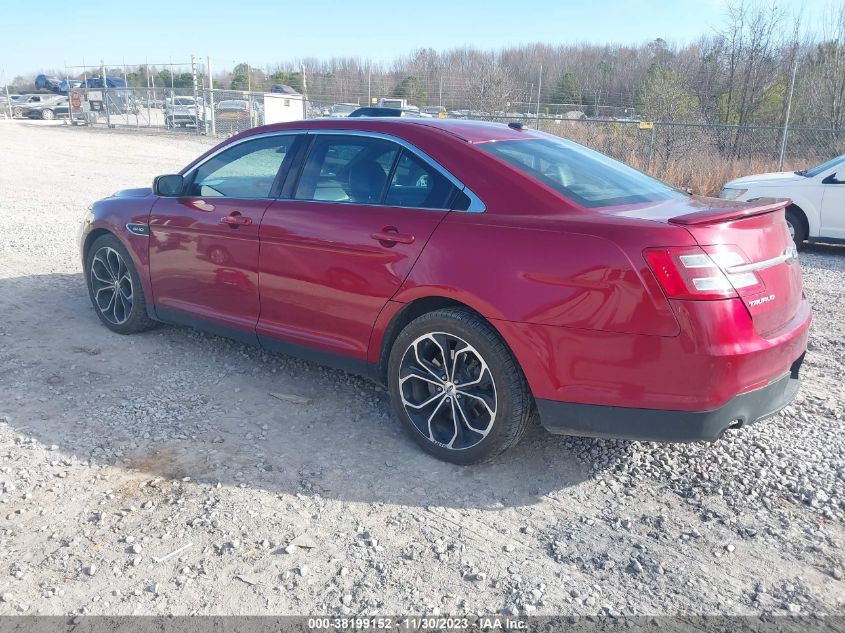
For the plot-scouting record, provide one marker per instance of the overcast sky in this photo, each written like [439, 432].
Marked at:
[49, 34]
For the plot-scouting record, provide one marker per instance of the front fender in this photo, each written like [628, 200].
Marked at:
[112, 215]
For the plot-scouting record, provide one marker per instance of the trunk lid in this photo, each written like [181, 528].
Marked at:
[758, 229]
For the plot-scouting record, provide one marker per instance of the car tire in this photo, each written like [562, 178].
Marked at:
[796, 226]
[481, 408]
[115, 287]
[47, 114]
[17, 113]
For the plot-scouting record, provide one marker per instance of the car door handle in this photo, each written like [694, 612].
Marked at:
[390, 235]
[235, 219]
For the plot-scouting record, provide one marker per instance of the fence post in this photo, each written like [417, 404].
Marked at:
[786, 118]
[196, 95]
[105, 93]
[8, 98]
[304, 95]
[211, 97]
[149, 96]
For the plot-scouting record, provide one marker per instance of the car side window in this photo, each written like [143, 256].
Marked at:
[342, 168]
[246, 170]
[415, 183]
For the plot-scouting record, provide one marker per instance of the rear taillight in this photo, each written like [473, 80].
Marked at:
[728, 258]
[693, 272]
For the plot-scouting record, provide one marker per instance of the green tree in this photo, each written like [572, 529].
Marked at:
[769, 109]
[178, 80]
[567, 91]
[240, 77]
[294, 80]
[663, 97]
[410, 88]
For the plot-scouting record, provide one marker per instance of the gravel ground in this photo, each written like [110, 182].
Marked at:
[158, 474]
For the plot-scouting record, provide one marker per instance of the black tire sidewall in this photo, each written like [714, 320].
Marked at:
[509, 406]
[794, 220]
[138, 319]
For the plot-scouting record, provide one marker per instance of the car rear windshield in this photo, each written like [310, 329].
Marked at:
[586, 177]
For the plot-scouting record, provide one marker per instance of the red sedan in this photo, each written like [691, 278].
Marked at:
[488, 274]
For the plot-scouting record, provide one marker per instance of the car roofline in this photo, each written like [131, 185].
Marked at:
[498, 131]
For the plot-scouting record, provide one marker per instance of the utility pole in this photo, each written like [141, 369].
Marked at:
[304, 94]
[788, 110]
[369, 83]
[172, 90]
[8, 98]
[150, 96]
[6, 85]
[530, 96]
[105, 93]
[440, 92]
[129, 98]
[539, 86]
[196, 100]
[211, 97]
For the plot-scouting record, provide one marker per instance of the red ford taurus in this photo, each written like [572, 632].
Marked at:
[488, 274]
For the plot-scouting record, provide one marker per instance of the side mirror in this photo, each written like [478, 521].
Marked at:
[833, 180]
[169, 186]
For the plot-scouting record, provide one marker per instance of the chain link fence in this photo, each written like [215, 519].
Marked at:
[218, 113]
[699, 157]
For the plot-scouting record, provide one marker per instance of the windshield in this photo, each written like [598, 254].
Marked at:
[815, 171]
[586, 177]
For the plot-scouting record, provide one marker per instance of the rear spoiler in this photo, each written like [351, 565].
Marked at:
[715, 215]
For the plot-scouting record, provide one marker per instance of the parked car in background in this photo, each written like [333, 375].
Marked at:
[55, 85]
[48, 111]
[25, 101]
[342, 109]
[69, 84]
[184, 111]
[7, 102]
[232, 115]
[817, 208]
[398, 104]
[383, 112]
[151, 102]
[531, 278]
[98, 82]
[434, 111]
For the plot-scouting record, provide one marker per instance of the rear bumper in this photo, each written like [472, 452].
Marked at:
[660, 425]
[717, 355]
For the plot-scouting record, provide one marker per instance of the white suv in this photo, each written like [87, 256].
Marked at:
[184, 111]
[817, 212]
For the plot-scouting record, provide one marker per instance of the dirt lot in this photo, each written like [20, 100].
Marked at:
[156, 474]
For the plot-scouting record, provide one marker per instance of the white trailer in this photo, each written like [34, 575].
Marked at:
[280, 108]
